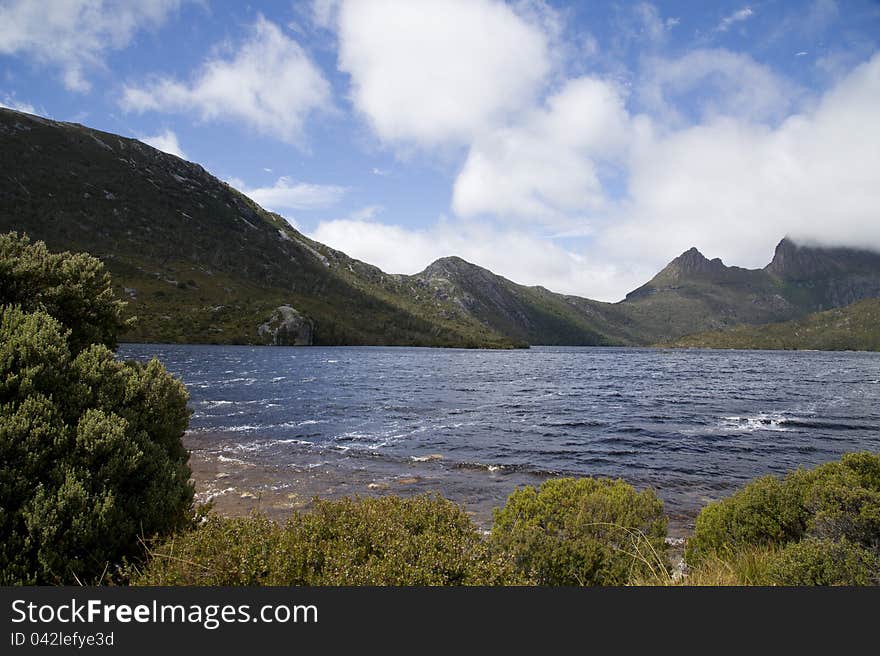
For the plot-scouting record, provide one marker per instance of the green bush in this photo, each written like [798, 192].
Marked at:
[825, 522]
[423, 540]
[73, 288]
[765, 512]
[582, 532]
[90, 452]
[825, 562]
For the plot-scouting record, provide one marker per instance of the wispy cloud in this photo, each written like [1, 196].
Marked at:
[11, 102]
[739, 16]
[75, 36]
[288, 194]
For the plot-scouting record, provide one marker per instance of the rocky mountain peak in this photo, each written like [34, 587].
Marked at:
[450, 267]
[794, 262]
[689, 264]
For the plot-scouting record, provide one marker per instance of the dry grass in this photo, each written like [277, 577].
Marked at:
[747, 566]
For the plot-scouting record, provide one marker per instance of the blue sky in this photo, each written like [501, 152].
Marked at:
[576, 145]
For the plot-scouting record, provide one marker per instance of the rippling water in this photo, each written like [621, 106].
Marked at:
[692, 424]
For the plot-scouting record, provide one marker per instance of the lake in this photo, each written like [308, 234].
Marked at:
[473, 425]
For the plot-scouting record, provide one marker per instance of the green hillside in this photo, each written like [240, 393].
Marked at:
[855, 327]
[196, 260]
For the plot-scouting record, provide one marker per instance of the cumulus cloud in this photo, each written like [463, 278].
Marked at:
[288, 194]
[727, 180]
[269, 83]
[167, 142]
[514, 254]
[434, 72]
[734, 187]
[75, 36]
[548, 165]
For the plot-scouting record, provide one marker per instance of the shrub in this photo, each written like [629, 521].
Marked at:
[765, 512]
[73, 288]
[825, 523]
[221, 551]
[423, 540]
[582, 532]
[825, 562]
[90, 447]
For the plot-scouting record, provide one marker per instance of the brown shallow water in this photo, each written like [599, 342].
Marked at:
[238, 486]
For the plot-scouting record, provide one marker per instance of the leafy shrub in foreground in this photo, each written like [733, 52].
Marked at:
[90, 450]
[825, 522]
[765, 512]
[825, 562]
[582, 532]
[74, 288]
[424, 540]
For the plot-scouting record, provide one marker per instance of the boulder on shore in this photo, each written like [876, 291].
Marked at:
[287, 327]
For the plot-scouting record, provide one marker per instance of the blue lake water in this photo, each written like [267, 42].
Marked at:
[694, 425]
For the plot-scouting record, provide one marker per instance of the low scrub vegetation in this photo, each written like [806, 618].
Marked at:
[425, 540]
[814, 527]
[582, 532]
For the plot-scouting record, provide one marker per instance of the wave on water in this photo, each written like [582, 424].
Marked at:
[210, 403]
[759, 422]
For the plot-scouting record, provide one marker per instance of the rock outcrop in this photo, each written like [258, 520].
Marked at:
[826, 277]
[287, 327]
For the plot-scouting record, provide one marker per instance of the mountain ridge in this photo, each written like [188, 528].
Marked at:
[199, 261]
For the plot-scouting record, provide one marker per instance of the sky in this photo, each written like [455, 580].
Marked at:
[575, 145]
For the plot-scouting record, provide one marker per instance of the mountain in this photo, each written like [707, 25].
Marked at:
[200, 262]
[822, 278]
[197, 260]
[695, 294]
[855, 327]
[529, 314]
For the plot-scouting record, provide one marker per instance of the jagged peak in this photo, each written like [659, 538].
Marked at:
[691, 262]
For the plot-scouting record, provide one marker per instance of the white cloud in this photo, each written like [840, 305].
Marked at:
[11, 102]
[367, 213]
[734, 187]
[75, 36]
[727, 83]
[433, 72]
[728, 181]
[167, 142]
[652, 27]
[513, 254]
[269, 83]
[547, 166]
[287, 194]
[739, 16]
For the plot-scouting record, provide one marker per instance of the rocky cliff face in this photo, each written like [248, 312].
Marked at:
[287, 327]
[823, 278]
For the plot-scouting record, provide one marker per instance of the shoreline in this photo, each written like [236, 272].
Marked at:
[238, 485]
